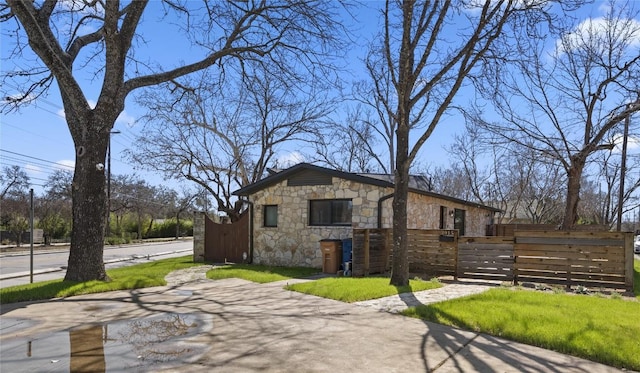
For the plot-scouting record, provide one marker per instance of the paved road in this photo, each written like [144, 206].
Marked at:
[50, 263]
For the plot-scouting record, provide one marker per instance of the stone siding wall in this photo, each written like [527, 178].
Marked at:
[294, 242]
[424, 213]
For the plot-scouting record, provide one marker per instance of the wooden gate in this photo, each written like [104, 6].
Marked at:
[227, 242]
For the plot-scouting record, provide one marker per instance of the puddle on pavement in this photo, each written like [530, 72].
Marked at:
[143, 344]
[183, 293]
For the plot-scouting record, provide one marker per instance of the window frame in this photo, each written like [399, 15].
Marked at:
[331, 213]
[265, 215]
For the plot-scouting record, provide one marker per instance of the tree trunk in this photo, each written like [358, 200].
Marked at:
[89, 208]
[177, 225]
[400, 264]
[573, 193]
[404, 87]
[148, 232]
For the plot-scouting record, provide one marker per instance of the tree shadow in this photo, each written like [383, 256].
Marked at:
[256, 327]
[468, 350]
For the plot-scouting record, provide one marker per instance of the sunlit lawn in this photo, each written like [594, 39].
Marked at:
[606, 330]
[352, 289]
[131, 277]
[260, 273]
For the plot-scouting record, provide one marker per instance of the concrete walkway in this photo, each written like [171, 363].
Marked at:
[400, 302]
[232, 325]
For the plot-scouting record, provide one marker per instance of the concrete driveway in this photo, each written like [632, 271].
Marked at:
[238, 326]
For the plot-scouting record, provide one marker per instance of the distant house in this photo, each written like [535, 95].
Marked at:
[295, 208]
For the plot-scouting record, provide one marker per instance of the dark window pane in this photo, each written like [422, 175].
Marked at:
[271, 216]
[320, 212]
[330, 212]
[341, 212]
[459, 221]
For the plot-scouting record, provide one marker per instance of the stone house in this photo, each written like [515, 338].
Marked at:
[293, 209]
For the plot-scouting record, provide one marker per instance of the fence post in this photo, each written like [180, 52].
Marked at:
[515, 260]
[628, 261]
[455, 251]
[366, 252]
[568, 273]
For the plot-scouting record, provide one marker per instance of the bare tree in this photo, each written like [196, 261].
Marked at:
[13, 182]
[54, 208]
[429, 50]
[377, 93]
[223, 136]
[601, 205]
[106, 41]
[566, 104]
[540, 187]
[350, 146]
[450, 180]
[178, 203]
[510, 177]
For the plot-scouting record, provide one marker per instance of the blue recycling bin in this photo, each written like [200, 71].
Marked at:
[347, 245]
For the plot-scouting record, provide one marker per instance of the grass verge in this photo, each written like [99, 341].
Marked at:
[599, 329]
[131, 277]
[351, 289]
[259, 273]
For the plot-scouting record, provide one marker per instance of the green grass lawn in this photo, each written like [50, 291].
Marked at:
[131, 277]
[259, 273]
[351, 289]
[606, 330]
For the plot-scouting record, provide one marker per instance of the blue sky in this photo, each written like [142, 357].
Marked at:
[37, 139]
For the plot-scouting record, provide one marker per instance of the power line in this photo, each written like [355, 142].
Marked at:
[4, 123]
[38, 159]
[13, 159]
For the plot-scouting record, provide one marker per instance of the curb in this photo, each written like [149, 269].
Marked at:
[58, 269]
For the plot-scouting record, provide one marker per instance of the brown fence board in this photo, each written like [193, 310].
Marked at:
[572, 258]
[377, 259]
[227, 242]
[590, 258]
[487, 258]
[589, 241]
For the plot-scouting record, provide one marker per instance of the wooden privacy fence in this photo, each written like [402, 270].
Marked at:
[485, 258]
[570, 258]
[509, 229]
[374, 251]
[430, 251]
[598, 259]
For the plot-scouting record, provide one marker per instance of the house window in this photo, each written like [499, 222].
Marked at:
[459, 220]
[443, 217]
[330, 212]
[271, 215]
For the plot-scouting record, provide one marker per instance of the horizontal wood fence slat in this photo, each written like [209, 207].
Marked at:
[486, 258]
[570, 258]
